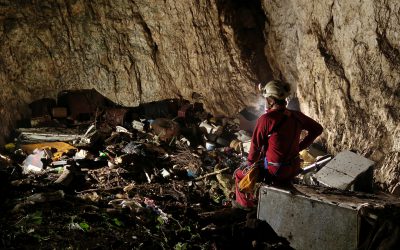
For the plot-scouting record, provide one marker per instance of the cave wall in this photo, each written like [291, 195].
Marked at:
[344, 58]
[341, 57]
[130, 51]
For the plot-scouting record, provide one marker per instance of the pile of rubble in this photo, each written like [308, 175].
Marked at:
[86, 172]
[155, 142]
[157, 176]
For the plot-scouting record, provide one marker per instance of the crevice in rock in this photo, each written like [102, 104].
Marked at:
[391, 53]
[247, 19]
[147, 32]
[65, 23]
[138, 80]
[9, 24]
[329, 29]
[361, 50]
[383, 15]
[159, 64]
[391, 109]
[372, 75]
[330, 60]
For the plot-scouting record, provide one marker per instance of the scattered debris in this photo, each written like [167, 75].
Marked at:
[57, 148]
[316, 166]
[46, 197]
[248, 119]
[140, 126]
[115, 116]
[158, 176]
[36, 135]
[212, 174]
[34, 163]
[165, 129]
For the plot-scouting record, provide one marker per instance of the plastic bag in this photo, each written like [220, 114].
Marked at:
[242, 200]
[246, 185]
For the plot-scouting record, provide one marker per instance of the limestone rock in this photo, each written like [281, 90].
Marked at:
[341, 57]
[344, 58]
[130, 51]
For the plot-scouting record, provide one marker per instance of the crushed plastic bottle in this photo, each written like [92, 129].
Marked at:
[33, 163]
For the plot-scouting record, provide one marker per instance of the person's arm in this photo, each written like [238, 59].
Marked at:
[313, 128]
[258, 140]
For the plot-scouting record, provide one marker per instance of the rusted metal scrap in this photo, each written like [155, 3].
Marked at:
[115, 116]
[165, 129]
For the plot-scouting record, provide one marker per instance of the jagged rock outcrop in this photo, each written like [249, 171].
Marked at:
[342, 57]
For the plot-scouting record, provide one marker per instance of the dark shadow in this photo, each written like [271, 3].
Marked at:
[247, 19]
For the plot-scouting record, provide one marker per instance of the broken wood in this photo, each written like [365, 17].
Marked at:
[98, 190]
[211, 174]
[226, 182]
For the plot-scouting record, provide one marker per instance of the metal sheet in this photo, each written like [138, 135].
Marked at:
[343, 170]
[36, 135]
[247, 120]
[308, 223]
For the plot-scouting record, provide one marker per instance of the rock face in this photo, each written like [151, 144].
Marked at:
[344, 57]
[341, 57]
[131, 52]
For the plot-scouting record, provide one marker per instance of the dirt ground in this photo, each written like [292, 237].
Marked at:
[128, 188]
[125, 179]
[102, 214]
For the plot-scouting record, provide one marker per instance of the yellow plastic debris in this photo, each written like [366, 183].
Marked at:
[61, 147]
[307, 158]
[10, 147]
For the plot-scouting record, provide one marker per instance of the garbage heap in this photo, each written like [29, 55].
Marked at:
[84, 171]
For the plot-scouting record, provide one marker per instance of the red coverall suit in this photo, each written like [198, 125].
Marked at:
[282, 147]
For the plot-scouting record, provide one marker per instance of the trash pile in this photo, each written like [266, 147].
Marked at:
[85, 172]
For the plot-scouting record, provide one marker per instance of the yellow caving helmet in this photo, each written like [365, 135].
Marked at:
[277, 89]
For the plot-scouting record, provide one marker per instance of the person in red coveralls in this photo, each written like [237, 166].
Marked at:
[278, 131]
[276, 138]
